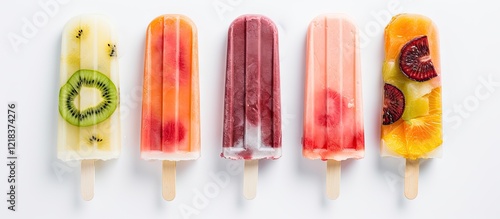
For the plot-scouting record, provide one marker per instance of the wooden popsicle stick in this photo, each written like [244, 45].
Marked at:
[332, 179]
[168, 180]
[411, 178]
[87, 179]
[251, 176]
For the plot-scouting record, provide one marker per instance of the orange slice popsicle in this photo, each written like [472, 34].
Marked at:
[411, 120]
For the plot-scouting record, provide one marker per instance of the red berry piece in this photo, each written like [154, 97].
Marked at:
[173, 132]
[394, 104]
[415, 60]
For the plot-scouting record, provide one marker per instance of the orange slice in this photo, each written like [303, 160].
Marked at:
[435, 102]
[416, 137]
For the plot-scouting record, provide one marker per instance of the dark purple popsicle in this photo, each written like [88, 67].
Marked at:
[252, 108]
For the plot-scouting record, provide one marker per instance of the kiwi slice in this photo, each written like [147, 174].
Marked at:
[69, 105]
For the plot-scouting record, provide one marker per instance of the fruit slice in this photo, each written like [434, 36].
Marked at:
[88, 98]
[411, 89]
[435, 101]
[416, 108]
[414, 138]
[415, 93]
[405, 27]
[394, 104]
[415, 60]
[335, 106]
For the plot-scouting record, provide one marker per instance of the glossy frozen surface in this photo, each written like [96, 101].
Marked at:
[252, 106]
[89, 44]
[171, 106]
[333, 117]
[418, 133]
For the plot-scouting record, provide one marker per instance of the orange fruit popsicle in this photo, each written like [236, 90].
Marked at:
[170, 107]
[412, 96]
[412, 114]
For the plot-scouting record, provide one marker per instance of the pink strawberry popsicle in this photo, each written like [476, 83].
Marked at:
[252, 104]
[333, 119]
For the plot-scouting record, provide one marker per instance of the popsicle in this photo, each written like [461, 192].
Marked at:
[333, 117]
[89, 100]
[252, 104]
[170, 129]
[411, 120]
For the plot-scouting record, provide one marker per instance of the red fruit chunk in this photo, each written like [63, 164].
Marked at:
[415, 60]
[335, 104]
[173, 132]
[394, 104]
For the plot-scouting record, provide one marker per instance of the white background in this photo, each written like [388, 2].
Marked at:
[462, 184]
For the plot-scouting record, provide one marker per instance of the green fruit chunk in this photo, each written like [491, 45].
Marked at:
[74, 104]
[416, 108]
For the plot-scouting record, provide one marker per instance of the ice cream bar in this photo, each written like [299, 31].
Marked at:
[89, 109]
[333, 117]
[252, 105]
[171, 107]
[411, 117]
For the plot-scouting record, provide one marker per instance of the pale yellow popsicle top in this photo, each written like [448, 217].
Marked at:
[89, 109]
